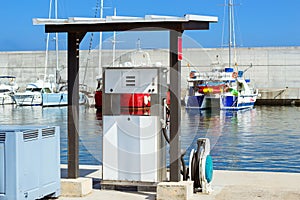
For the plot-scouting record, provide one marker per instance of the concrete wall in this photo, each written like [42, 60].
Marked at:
[275, 71]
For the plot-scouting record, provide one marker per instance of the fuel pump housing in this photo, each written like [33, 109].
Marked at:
[134, 150]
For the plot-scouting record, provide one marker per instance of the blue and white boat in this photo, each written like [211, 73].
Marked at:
[238, 95]
[204, 88]
[222, 88]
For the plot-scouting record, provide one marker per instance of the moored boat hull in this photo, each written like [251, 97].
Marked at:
[6, 99]
[194, 101]
[28, 99]
[55, 99]
[211, 102]
[230, 102]
[98, 99]
[45, 99]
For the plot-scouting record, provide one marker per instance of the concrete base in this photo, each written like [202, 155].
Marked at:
[76, 187]
[182, 190]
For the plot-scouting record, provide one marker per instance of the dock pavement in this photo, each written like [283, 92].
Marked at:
[227, 185]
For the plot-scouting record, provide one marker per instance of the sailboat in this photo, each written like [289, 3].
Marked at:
[223, 87]
[51, 90]
[236, 94]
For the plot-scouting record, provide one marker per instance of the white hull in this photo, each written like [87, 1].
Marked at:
[230, 102]
[28, 98]
[6, 99]
[45, 99]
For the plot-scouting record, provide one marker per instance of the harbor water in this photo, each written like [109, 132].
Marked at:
[260, 139]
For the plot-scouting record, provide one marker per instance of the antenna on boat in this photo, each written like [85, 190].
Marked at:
[138, 44]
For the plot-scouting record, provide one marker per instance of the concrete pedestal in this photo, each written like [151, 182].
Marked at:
[76, 187]
[182, 190]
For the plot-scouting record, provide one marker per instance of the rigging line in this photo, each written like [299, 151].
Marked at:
[90, 44]
[223, 28]
[239, 33]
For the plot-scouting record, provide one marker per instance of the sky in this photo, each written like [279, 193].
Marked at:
[259, 22]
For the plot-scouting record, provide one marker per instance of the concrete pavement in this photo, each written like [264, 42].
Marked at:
[227, 185]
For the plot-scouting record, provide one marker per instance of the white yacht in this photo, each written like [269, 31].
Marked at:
[8, 87]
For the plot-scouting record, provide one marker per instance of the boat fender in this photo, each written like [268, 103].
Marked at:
[234, 75]
[192, 74]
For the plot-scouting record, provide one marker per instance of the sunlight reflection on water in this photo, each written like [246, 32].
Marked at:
[261, 139]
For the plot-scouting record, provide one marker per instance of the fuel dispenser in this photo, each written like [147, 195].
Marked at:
[134, 148]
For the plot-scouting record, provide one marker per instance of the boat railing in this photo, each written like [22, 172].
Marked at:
[211, 76]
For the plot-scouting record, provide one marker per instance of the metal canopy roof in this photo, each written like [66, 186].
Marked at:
[78, 27]
[125, 23]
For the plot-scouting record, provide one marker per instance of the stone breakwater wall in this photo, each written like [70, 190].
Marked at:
[275, 71]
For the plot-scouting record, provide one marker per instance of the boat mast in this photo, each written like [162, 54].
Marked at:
[231, 35]
[114, 41]
[100, 38]
[47, 44]
[48, 39]
[56, 38]
[229, 30]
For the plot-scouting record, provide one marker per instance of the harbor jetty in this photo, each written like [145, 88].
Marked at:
[274, 71]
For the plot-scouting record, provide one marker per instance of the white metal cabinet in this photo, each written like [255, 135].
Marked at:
[130, 148]
[29, 162]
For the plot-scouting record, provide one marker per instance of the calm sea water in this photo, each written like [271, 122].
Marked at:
[261, 139]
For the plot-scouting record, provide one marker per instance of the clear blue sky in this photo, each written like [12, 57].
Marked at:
[260, 22]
